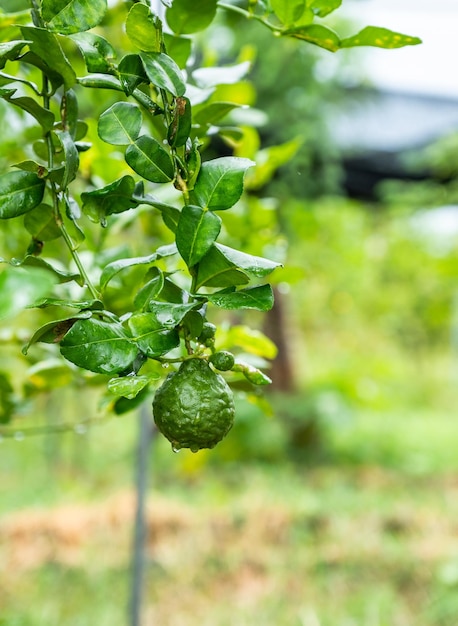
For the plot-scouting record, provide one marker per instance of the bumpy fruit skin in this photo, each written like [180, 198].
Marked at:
[194, 407]
[222, 360]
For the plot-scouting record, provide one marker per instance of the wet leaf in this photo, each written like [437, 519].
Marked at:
[144, 28]
[149, 159]
[99, 346]
[258, 298]
[163, 72]
[130, 386]
[151, 336]
[219, 184]
[20, 192]
[47, 48]
[120, 124]
[184, 17]
[197, 230]
[109, 200]
[97, 52]
[253, 265]
[53, 332]
[73, 16]
[215, 270]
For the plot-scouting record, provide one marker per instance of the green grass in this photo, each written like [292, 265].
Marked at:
[368, 539]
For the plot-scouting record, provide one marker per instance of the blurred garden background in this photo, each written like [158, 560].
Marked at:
[334, 499]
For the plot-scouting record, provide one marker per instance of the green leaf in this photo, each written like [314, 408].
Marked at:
[150, 290]
[20, 287]
[55, 78]
[144, 28]
[99, 347]
[215, 270]
[10, 50]
[59, 276]
[179, 48]
[253, 265]
[71, 158]
[130, 386]
[324, 7]
[170, 314]
[97, 52]
[170, 292]
[131, 72]
[206, 77]
[41, 224]
[113, 198]
[170, 214]
[19, 192]
[120, 124]
[380, 38]
[69, 113]
[46, 46]
[197, 230]
[73, 16]
[93, 305]
[289, 11]
[193, 323]
[44, 117]
[113, 268]
[151, 336]
[316, 34]
[214, 112]
[184, 17]
[259, 298]
[53, 332]
[163, 72]
[150, 160]
[219, 184]
[32, 166]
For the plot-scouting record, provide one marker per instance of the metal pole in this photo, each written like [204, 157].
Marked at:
[144, 443]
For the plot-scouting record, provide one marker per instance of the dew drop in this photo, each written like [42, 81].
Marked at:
[165, 366]
[176, 448]
[19, 436]
[194, 448]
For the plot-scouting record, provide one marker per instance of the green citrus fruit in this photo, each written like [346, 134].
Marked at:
[194, 407]
[222, 360]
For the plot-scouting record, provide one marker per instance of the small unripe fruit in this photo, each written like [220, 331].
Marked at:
[222, 360]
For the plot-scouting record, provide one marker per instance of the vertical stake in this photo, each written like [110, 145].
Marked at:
[144, 443]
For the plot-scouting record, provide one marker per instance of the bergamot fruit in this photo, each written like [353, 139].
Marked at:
[194, 407]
